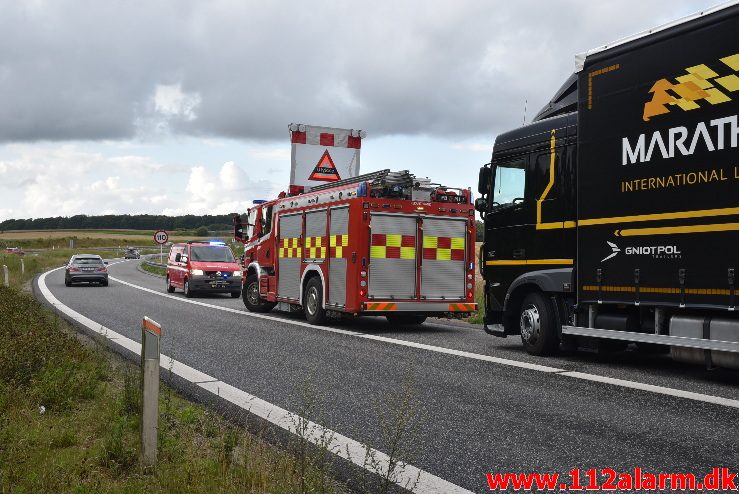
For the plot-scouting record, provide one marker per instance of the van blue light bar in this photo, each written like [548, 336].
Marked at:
[259, 201]
[216, 242]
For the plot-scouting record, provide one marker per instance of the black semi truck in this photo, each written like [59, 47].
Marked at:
[614, 216]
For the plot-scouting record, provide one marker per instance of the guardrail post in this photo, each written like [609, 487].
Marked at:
[23, 267]
[7, 277]
[150, 334]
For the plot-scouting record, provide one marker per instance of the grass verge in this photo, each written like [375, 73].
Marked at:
[157, 270]
[69, 420]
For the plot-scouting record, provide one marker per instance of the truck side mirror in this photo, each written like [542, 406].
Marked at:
[483, 180]
[481, 205]
[177, 257]
[239, 228]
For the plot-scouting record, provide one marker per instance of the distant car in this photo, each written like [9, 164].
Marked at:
[86, 268]
[131, 254]
[15, 250]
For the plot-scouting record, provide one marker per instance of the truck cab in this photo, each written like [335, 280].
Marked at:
[528, 208]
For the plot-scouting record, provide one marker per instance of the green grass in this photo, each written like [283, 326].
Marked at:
[157, 270]
[477, 317]
[69, 423]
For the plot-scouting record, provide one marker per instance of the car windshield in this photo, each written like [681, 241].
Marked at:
[211, 253]
[87, 260]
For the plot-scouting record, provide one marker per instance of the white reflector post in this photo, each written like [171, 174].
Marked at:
[151, 332]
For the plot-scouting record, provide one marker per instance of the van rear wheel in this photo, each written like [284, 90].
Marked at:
[538, 327]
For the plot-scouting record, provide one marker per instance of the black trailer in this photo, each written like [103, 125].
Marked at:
[614, 216]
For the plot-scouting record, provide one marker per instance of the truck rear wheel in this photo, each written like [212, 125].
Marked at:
[538, 329]
[313, 302]
[170, 287]
[406, 319]
[250, 295]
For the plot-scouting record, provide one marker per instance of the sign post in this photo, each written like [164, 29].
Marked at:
[151, 332]
[161, 237]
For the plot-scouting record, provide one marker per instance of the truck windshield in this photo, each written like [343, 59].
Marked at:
[510, 180]
[211, 253]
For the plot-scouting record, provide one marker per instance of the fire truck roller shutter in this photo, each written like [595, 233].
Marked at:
[338, 253]
[290, 256]
[392, 272]
[442, 271]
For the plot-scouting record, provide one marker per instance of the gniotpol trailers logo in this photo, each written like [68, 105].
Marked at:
[699, 83]
[613, 254]
[653, 251]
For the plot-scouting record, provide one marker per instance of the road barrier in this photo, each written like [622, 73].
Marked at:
[7, 276]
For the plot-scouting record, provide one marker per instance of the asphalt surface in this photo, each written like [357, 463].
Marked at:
[475, 417]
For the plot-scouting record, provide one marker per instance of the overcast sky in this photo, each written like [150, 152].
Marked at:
[182, 107]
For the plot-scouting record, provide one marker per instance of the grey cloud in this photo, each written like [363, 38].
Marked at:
[89, 70]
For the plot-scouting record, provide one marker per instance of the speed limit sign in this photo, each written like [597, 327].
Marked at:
[161, 237]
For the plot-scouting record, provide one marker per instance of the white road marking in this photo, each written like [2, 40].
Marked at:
[407, 476]
[677, 393]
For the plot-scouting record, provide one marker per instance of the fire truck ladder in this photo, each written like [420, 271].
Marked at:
[369, 177]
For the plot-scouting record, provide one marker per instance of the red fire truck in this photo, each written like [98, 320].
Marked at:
[385, 243]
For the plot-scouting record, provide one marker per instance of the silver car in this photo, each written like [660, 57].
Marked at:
[86, 268]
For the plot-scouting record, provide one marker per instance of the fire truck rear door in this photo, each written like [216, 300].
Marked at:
[289, 255]
[444, 248]
[392, 272]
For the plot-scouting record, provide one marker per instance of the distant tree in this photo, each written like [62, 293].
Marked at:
[202, 231]
[479, 231]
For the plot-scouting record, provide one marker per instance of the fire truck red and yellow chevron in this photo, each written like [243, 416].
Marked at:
[315, 247]
[392, 246]
[290, 247]
[443, 248]
[337, 243]
[396, 246]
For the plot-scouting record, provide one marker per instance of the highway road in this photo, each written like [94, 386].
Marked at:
[484, 404]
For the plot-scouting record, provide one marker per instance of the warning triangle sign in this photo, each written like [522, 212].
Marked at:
[325, 170]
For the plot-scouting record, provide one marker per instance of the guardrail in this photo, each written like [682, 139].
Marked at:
[147, 260]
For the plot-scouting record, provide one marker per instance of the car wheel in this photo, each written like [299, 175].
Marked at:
[170, 287]
[104, 283]
[67, 282]
[186, 288]
[250, 295]
[405, 319]
[235, 294]
[313, 302]
[538, 328]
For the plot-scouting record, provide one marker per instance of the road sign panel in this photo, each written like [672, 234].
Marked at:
[161, 237]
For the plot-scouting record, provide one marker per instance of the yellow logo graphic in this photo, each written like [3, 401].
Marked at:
[700, 83]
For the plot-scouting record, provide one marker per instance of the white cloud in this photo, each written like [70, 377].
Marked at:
[170, 101]
[473, 146]
[273, 154]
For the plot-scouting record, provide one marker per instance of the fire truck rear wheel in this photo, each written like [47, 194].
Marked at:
[538, 330]
[170, 288]
[407, 319]
[313, 302]
[250, 295]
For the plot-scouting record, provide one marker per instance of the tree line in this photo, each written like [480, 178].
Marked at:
[121, 221]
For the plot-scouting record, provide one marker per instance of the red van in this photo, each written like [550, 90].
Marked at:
[203, 267]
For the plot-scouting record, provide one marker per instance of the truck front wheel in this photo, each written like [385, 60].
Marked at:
[313, 302]
[250, 295]
[538, 328]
